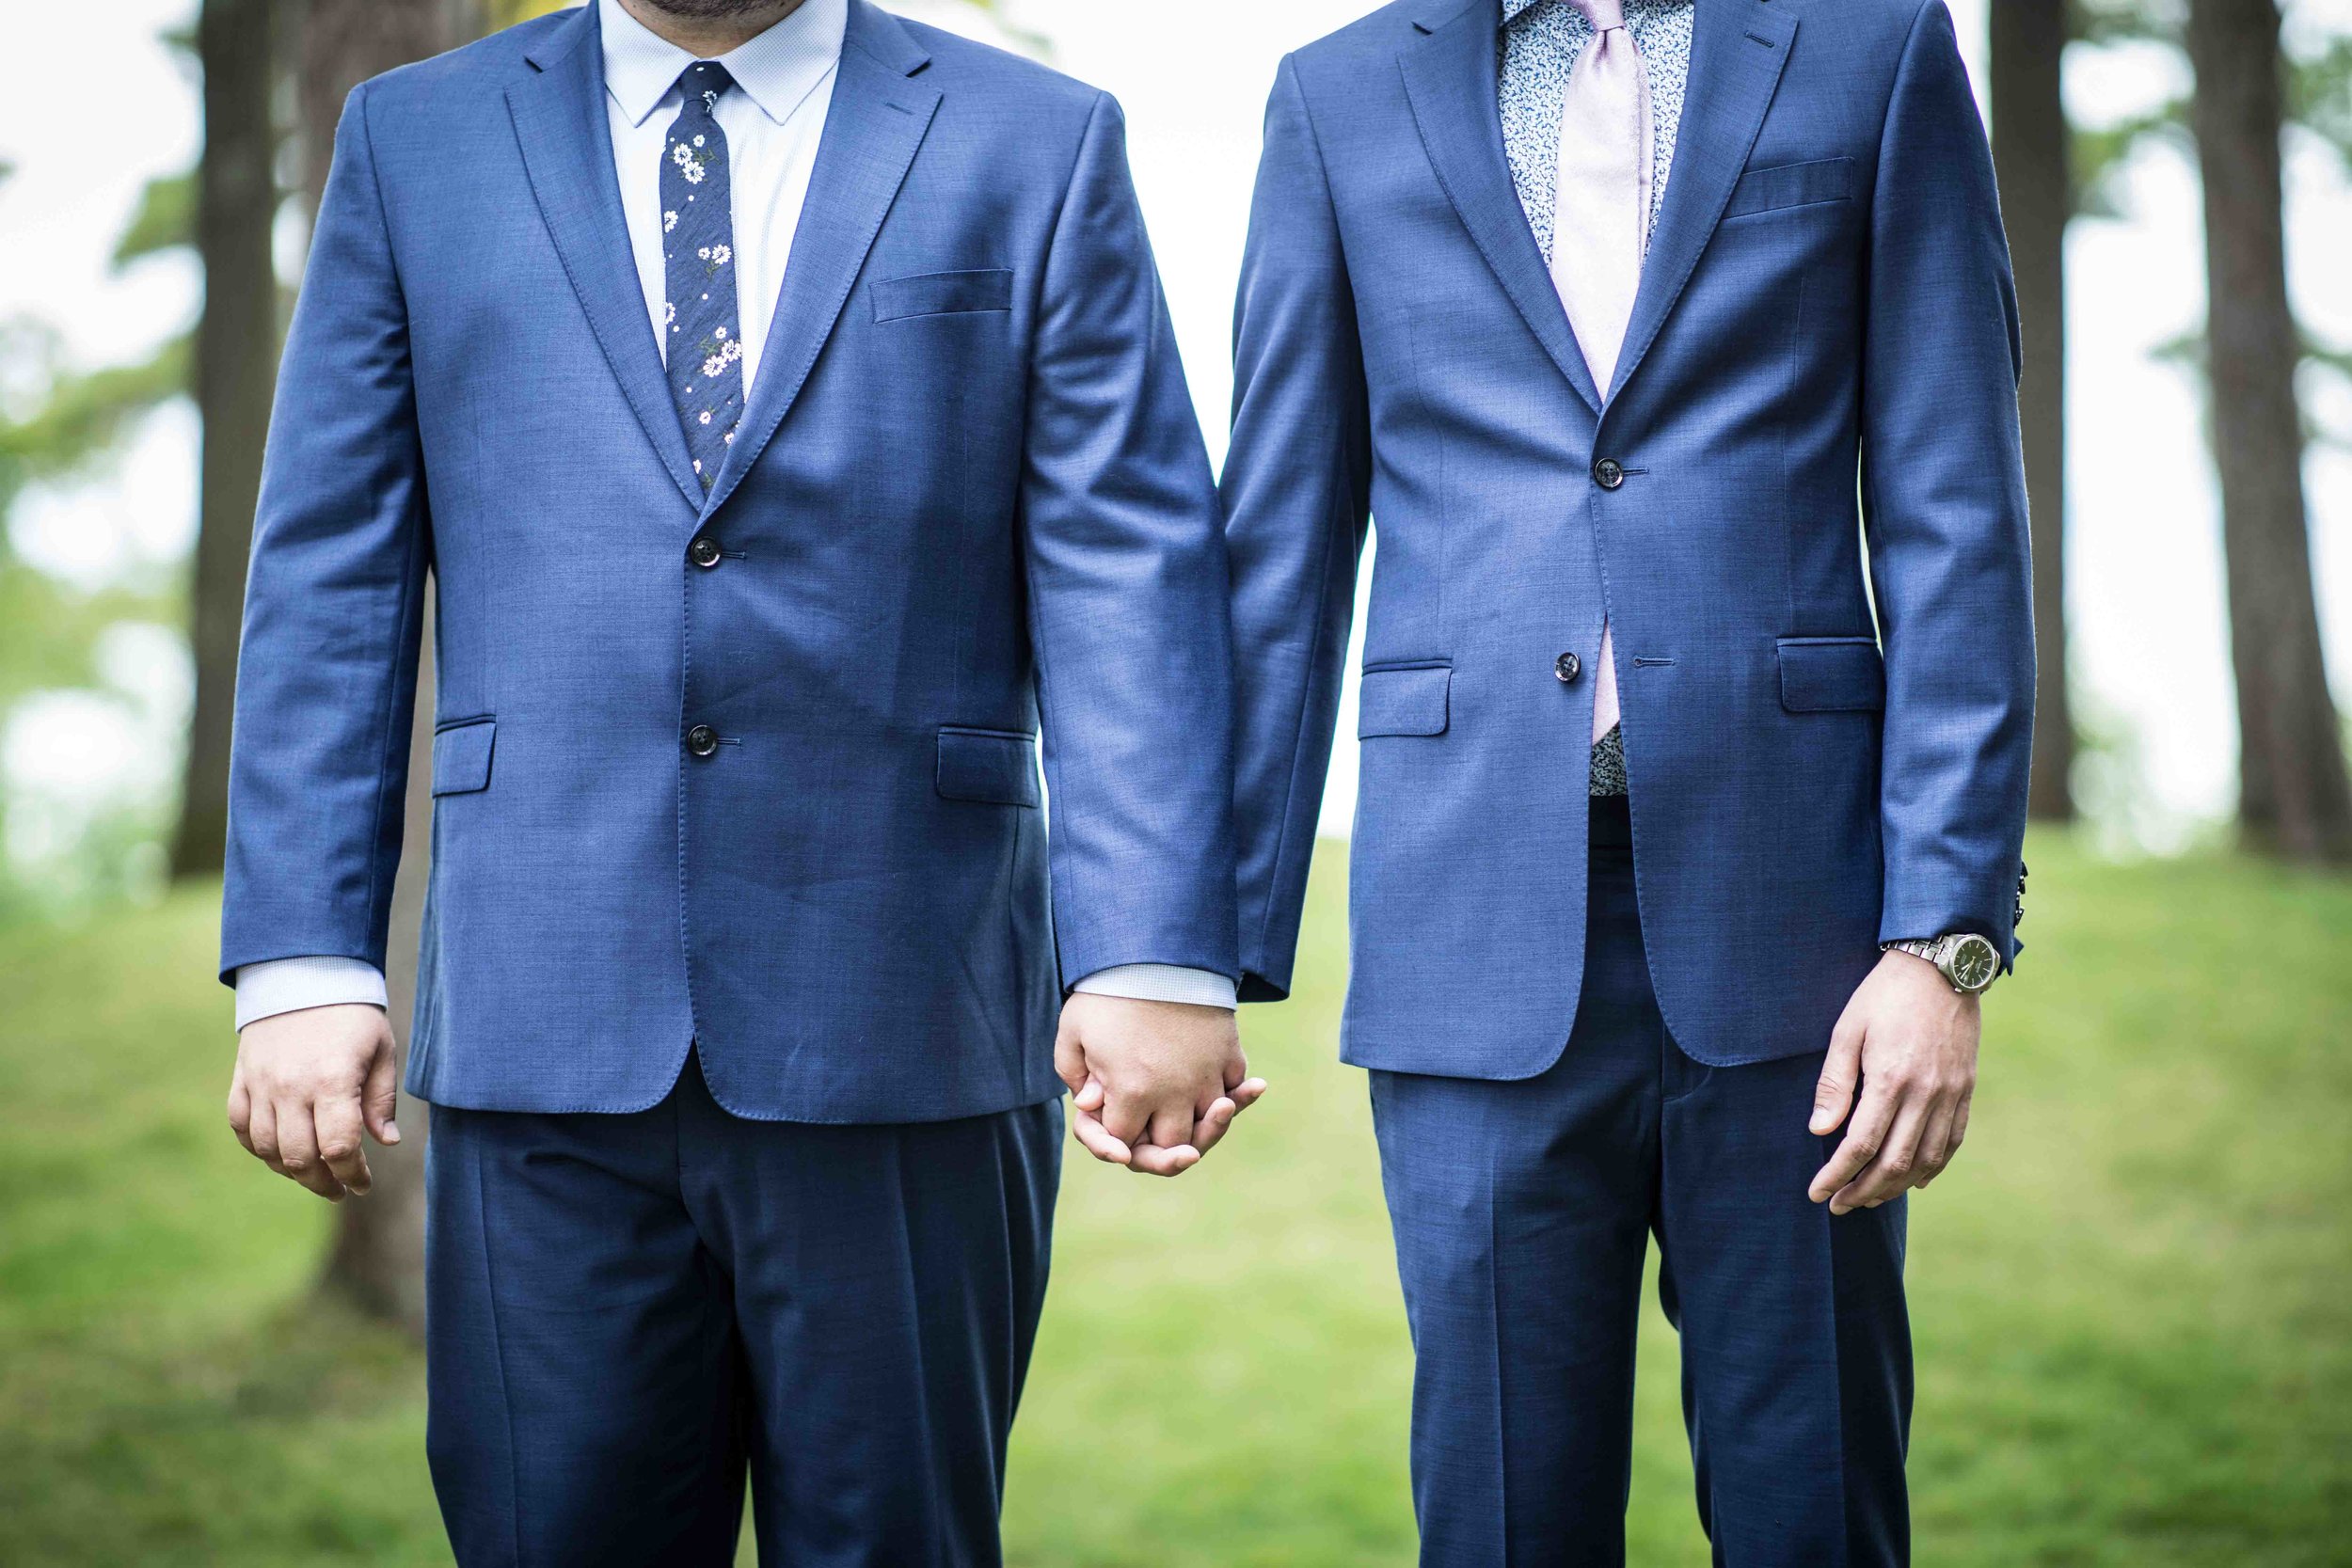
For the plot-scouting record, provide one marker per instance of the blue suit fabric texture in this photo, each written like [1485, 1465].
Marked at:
[967, 501]
[1800, 505]
[742, 960]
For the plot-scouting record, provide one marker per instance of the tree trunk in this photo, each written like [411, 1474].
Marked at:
[378, 1257]
[236, 373]
[2294, 799]
[2033, 152]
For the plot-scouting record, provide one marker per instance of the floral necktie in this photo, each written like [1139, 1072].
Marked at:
[702, 340]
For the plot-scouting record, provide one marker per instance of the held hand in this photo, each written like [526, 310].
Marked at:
[1156, 1083]
[1911, 1040]
[306, 1084]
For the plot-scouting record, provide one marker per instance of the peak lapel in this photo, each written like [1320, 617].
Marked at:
[1450, 76]
[878, 120]
[1738, 49]
[568, 149]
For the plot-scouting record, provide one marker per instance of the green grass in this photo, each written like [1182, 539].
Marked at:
[2133, 1301]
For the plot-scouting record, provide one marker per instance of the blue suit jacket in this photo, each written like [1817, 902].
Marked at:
[968, 489]
[1826, 299]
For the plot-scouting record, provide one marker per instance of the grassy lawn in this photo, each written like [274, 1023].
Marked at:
[2133, 1301]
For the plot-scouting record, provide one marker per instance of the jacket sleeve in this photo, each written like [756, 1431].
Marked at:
[328, 671]
[1127, 574]
[1297, 487]
[1944, 502]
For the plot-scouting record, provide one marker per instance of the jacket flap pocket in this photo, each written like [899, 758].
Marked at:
[942, 293]
[461, 756]
[1832, 674]
[1761, 190]
[997, 766]
[1408, 700]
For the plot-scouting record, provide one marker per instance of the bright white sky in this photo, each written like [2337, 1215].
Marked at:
[2144, 550]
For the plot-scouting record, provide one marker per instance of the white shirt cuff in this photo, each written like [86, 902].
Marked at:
[1200, 987]
[290, 985]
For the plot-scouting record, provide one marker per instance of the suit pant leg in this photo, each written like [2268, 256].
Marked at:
[1522, 1214]
[585, 1398]
[1796, 1348]
[887, 1282]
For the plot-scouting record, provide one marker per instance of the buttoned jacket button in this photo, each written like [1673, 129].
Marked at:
[703, 552]
[1608, 473]
[1567, 667]
[702, 740]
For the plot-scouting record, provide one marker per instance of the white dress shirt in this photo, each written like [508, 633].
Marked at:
[774, 123]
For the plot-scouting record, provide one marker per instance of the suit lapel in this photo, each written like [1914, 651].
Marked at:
[1450, 77]
[878, 120]
[568, 149]
[1738, 48]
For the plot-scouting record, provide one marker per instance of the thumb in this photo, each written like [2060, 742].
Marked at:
[379, 1096]
[1833, 1096]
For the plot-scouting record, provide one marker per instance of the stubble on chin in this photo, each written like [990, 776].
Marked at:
[709, 10]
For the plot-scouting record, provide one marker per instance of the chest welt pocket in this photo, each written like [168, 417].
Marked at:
[998, 767]
[461, 755]
[1406, 699]
[1832, 674]
[1767, 190]
[942, 293]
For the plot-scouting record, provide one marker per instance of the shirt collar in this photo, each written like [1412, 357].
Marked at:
[1511, 9]
[777, 70]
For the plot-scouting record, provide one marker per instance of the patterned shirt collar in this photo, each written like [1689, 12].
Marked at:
[777, 70]
[1511, 9]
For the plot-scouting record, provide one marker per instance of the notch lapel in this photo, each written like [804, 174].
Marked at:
[567, 149]
[1450, 78]
[1738, 49]
[878, 120]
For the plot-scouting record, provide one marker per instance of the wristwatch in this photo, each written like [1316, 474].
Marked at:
[1967, 960]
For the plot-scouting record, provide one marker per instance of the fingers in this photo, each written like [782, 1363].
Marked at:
[298, 1151]
[1124, 1120]
[1151, 1160]
[1246, 1093]
[1089, 1096]
[1214, 1122]
[1834, 1095]
[379, 1096]
[1935, 1142]
[261, 1137]
[1172, 1126]
[338, 1123]
[1865, 1134]
[1088, 1129]
[1898, 1161]
[241, 1111]
[1070, 1057]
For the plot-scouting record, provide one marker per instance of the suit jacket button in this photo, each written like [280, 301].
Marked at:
[1608, 473]
[702, 740]
[1567, 667]
[703, 552]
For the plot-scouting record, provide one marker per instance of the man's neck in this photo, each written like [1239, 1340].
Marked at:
[707, 37]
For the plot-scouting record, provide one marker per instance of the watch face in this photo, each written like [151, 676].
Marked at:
[1974, 963]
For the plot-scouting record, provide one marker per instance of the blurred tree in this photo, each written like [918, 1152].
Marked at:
[378, 1257]
[235, 209]
[2032, 152]
[2293, 796]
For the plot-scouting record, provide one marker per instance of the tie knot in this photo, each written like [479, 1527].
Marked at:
[1606, 16]
[701, 84]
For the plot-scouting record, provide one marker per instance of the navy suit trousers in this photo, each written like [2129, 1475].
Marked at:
[1523, 1211]
[625, 1312]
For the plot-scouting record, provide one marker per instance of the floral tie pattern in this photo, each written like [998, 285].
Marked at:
[702, 338]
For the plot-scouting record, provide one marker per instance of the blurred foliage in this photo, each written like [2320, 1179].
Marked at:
[2319, 83]
[2132, 1298]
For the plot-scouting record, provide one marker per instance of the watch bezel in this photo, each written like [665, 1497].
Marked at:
[1950, 962]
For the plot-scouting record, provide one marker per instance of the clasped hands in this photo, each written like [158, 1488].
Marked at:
[1155, 1085]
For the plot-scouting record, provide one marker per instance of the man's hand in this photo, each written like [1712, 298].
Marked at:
[1912, 1041]
[306, 1084]
[1156, 1083]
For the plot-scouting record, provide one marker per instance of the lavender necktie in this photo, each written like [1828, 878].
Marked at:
[1602, 225]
